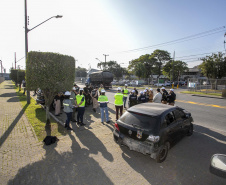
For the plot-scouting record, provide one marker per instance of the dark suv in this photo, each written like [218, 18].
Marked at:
[151, 128]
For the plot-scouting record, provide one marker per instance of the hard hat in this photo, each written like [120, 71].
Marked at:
[133, 91]
[103, 91]
[163, 88]
[81, 89]
[141, 92]
[151, 89]
[145, 90]
[126, 85]
[119, 89]
[67, 93]
[73, 88]
[171, 89]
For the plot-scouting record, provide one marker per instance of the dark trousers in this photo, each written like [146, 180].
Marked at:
[69, 114]
[118, 108]
[81, 111]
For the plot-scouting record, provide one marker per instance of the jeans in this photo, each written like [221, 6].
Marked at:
[81, 111]
[124, 100]
[102, 109]
[69, 114]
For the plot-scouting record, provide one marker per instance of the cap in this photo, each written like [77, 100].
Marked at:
[126, 85]
[151, 89]
[81, 89]
[119, 89]
[133, 91]
[73, 88]
[103, 91]
[163, 88]
[171, 89]
[67, 93]
[141, 92]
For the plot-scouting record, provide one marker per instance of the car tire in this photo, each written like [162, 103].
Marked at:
[162, 152]
[190, 130]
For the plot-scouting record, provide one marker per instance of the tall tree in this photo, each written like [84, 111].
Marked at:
[214, 66]
[51, 72]
[179, 68]
[161, 57]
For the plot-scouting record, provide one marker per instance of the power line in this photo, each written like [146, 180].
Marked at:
[198, 54]
[191, 37]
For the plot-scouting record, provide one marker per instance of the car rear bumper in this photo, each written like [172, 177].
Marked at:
[138, 146]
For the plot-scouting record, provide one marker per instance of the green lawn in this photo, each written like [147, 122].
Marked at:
[37, 116]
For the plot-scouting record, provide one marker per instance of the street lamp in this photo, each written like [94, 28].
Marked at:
[26, 37]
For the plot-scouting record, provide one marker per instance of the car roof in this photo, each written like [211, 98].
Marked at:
[151, 109]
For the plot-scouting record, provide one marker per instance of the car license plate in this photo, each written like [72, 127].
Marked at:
[139, 134]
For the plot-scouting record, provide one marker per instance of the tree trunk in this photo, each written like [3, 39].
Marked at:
[47, 116]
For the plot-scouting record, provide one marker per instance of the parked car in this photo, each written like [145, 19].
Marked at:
[151, 128]
[159, 84]
[167, 83]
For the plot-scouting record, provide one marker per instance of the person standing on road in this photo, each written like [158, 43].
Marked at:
[151, 94]
[103, 100]
[80, 103]
[158, 97]
[142, 97]
[67, 109]
[73, 98]
[164, 95]
[132, 99]
[101, 88]
[125, 95]
[147, 94]
[86, 94]
[94, 95]
[136, 91]
[24, 85]
[171, 97]
[118, 102]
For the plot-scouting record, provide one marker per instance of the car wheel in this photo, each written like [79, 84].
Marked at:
[162, 152]
[190, 130]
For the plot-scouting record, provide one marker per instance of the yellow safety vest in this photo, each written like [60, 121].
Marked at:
[118, 99]
[79, 99]
[125, 92]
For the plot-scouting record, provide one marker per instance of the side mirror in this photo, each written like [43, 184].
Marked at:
[218, 165]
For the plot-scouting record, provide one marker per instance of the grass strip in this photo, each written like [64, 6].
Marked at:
[37, 118]
[201, 93]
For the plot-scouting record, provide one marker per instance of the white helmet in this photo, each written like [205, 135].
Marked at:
[151, 89]
[141, 92]
[126, 85]
[67, 93]
[73, 88]
[163, 88]
[171, 89]
[119, 89]
[81, 89]
[133, 91]
[145, 90]
[103, 91]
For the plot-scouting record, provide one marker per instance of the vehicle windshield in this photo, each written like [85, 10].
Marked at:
[139, 121]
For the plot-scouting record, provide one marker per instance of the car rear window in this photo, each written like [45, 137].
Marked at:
[139, 120]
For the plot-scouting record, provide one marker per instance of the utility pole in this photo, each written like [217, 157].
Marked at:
[15, 60]
[173, 70]
[105, 60]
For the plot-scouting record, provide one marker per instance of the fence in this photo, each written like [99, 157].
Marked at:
[206, 85]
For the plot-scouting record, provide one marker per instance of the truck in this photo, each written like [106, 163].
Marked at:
[100, 77]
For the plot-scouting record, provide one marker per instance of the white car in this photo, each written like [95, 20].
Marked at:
[159, 84]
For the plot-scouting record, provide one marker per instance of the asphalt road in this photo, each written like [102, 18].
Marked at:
[206, 112]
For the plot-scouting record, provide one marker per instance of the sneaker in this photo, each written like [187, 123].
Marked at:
[69, 128]
[108, 121]
[82, 124]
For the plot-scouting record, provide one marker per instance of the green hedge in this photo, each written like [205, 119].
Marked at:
[20, 76]
[13, 75]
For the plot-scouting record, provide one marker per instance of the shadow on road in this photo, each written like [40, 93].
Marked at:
[75, 167]
[187, 162]
[12, 125]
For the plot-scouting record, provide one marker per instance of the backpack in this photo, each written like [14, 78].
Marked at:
[50, 140]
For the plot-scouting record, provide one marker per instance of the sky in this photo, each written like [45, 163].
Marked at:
[122, 29]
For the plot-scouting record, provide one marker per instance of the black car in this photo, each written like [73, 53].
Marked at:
[151, 128]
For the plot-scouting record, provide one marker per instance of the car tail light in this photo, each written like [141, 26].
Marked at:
[153, 139]
[116, 126]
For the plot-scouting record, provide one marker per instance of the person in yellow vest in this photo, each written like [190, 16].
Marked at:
[101, 88]
[80, 103]
[118, 102]
[103, 100]
[68, 109]
[125, 95]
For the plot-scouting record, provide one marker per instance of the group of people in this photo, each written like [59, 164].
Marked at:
[145, 96]
[77, 98]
